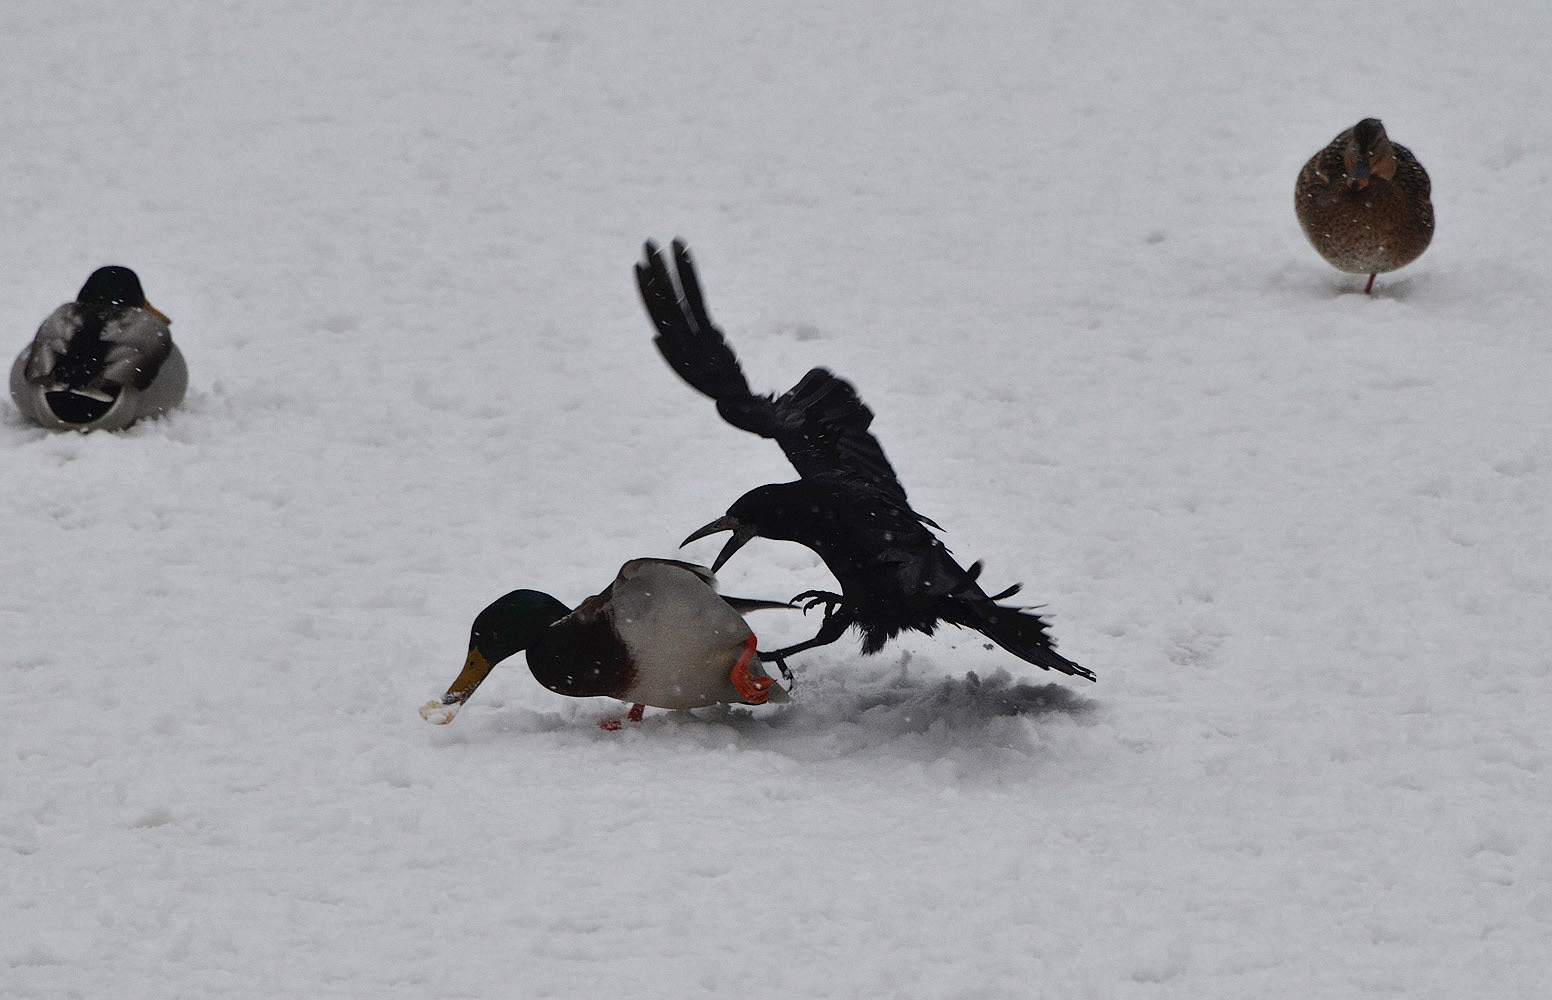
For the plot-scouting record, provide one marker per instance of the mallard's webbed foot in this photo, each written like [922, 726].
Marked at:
[612, 725]
[754, 690]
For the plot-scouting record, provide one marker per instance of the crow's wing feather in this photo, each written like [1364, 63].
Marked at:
[821, 424]
[826, 430]
[688, 340]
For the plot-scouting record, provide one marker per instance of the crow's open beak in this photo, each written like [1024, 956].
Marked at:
[741, 535]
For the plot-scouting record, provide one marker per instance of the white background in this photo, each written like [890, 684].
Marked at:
[1302, 535]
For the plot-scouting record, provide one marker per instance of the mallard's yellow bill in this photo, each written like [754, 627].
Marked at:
[475, 669]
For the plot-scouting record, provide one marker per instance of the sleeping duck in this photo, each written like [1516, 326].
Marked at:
[659, 635]
[101, 362]
[1363, 202]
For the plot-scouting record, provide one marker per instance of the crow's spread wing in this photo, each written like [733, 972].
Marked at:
[821, 423]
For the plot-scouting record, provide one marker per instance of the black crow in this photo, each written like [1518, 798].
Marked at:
[848, 506]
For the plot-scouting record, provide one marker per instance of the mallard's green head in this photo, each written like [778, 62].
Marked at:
[510, 625]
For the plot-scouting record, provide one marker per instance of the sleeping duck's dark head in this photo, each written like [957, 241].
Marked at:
[511, 624]
[116, 286]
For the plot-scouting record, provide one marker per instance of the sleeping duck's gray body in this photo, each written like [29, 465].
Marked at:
[97, 365]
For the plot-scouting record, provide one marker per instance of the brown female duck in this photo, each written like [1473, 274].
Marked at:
[1363, 202]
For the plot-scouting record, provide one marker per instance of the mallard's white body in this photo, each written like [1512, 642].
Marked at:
[683, 636]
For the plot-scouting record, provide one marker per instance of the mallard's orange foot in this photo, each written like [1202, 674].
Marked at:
[612, 725]
[754, 690]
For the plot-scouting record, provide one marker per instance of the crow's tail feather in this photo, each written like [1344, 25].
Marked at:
[1019, 632]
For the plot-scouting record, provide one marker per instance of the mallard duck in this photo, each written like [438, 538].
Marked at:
[659, 635]
[101, 362]
[1363, 202]
[847, 505]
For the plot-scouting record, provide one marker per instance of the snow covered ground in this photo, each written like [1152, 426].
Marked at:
[1302, 535]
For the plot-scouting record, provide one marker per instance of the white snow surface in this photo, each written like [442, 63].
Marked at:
[1302, 535]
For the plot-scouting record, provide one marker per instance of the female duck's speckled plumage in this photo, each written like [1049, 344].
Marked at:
[101, 362]
[1363, 202]
[659, 635]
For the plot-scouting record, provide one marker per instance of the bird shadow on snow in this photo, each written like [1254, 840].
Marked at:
[900, 712]
[844, 710]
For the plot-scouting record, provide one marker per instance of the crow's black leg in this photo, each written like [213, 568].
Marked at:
[814, 598]
[781, 664]
[835, 626]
